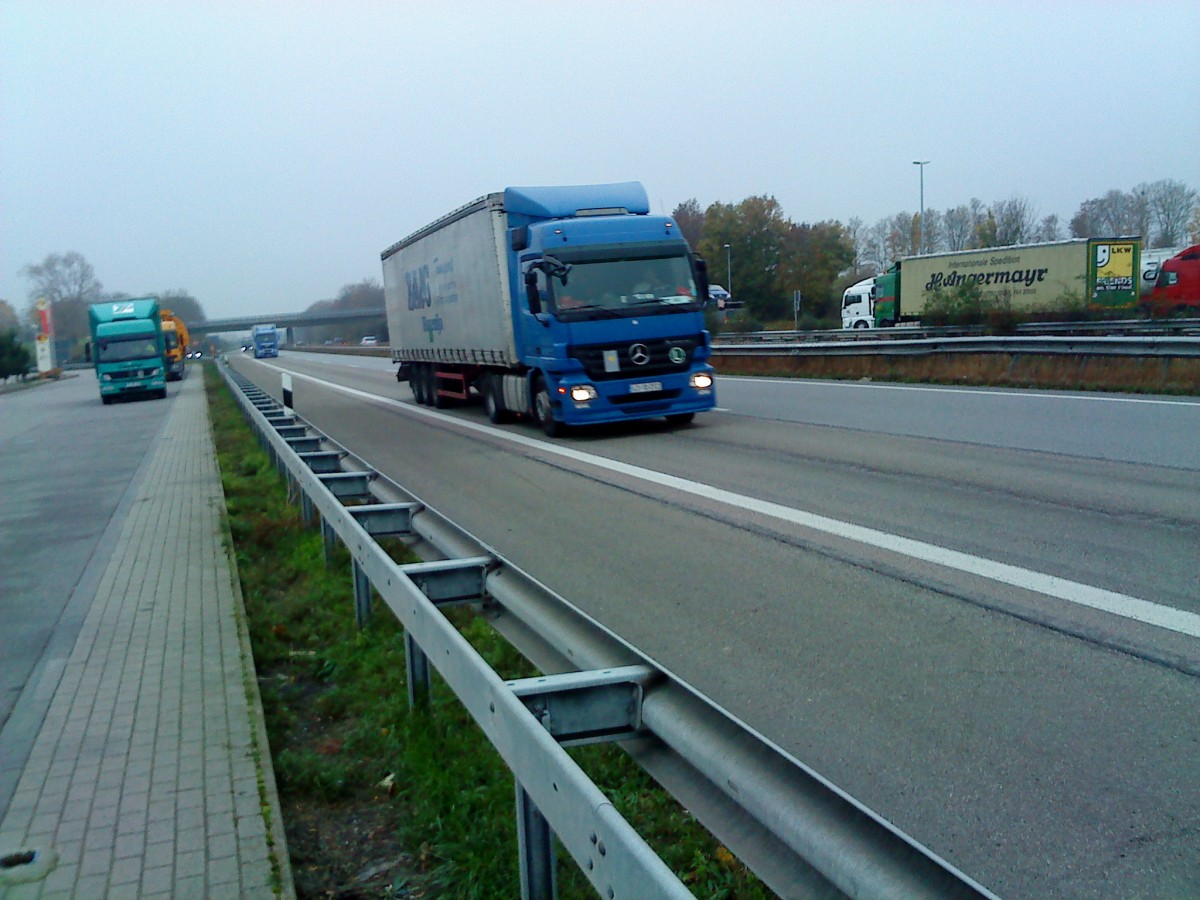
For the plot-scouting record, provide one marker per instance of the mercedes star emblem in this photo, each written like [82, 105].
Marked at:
[639, 354]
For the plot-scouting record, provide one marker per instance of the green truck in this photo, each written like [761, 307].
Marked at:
[1028, 277]
[127, 348]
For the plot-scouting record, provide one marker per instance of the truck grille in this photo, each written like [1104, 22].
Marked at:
[131, 373]
[658, 352]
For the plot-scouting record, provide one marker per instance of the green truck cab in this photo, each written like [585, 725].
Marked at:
[127, 348]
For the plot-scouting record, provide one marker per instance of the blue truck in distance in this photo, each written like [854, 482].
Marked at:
[127, 348]
[265, 339]
[571, 305]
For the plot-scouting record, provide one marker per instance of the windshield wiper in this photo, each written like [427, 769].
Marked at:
[604, 311]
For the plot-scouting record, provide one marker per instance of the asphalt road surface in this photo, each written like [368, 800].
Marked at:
[976, 611]
[67, 464]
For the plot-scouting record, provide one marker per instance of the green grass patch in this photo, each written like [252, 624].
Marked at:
[367, 784]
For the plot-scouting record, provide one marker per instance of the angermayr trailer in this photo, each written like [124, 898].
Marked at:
[569, 304]
[1103, 272]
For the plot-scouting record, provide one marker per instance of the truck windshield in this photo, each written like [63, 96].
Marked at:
[604, 288]
[126, 347]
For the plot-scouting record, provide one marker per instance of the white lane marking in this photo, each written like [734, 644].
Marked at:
[1040, 395]
[1123, 605]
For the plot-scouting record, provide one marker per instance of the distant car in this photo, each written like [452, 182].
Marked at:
[369, 340]
[720, 298]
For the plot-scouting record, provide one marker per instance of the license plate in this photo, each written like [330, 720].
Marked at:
[646, 387]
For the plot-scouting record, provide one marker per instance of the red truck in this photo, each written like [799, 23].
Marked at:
[1177, 291]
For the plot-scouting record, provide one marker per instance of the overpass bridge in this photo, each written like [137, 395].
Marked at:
[286, 321]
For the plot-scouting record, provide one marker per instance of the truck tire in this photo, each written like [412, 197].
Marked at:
[861, 323]
[680, 420]
[420, 383]
[493, 400]
[414, 383]
[106, 399]
[544, 412]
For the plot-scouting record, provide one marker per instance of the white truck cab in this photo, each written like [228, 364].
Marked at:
[858, 305]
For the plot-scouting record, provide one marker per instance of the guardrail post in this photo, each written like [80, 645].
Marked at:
[328, 540]
[416, 666]
[535, 844]
[362, 596]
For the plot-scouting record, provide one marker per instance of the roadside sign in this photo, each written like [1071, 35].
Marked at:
[45, 353]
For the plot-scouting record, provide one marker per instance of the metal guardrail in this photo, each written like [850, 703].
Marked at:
[904, 345]
[1106, 328]
[795, 830]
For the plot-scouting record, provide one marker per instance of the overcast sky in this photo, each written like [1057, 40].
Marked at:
[259, 155]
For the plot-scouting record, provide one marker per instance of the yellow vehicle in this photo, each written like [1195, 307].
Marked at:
[175, 334]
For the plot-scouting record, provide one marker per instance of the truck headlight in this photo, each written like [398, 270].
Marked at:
[106, 377]
[154, 372]
[702, 381]
[583, 393]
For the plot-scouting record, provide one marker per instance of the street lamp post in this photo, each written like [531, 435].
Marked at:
[921, 164]
[729, 270]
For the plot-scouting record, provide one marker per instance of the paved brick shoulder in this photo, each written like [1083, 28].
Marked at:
[151, 775]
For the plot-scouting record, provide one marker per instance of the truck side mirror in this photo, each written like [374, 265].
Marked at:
[531, 291]
[87, 351]
[701, 269]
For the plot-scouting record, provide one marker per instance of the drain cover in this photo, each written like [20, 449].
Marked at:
[26, 865]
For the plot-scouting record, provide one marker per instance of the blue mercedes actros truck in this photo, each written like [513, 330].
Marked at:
[570, 305]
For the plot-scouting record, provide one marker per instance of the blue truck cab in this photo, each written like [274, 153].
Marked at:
[127, 348]
[266, 341]
[612, 327]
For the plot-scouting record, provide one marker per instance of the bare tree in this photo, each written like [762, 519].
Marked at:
[1050, 229]
[1170, 204]
[958, 226]
[902, 235]
[932, 232]
[69, 283]
[876, 251]
[1016, 221]
[1113, 215]
[62, 277]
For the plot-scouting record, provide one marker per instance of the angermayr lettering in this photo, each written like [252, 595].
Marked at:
[1026, 277]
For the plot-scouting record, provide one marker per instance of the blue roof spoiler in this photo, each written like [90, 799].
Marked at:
[577, 200]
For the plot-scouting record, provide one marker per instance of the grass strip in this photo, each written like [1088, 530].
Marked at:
[379, 800]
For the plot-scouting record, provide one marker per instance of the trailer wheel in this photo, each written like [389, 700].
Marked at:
[861, 323]
[544, 412]
[416, 381]
[493, 399]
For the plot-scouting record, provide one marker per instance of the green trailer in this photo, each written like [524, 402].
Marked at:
[127, 348]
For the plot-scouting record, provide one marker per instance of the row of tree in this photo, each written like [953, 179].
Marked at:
[365, 294]
[768, 257]
[68, 282]
[1164, 213]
